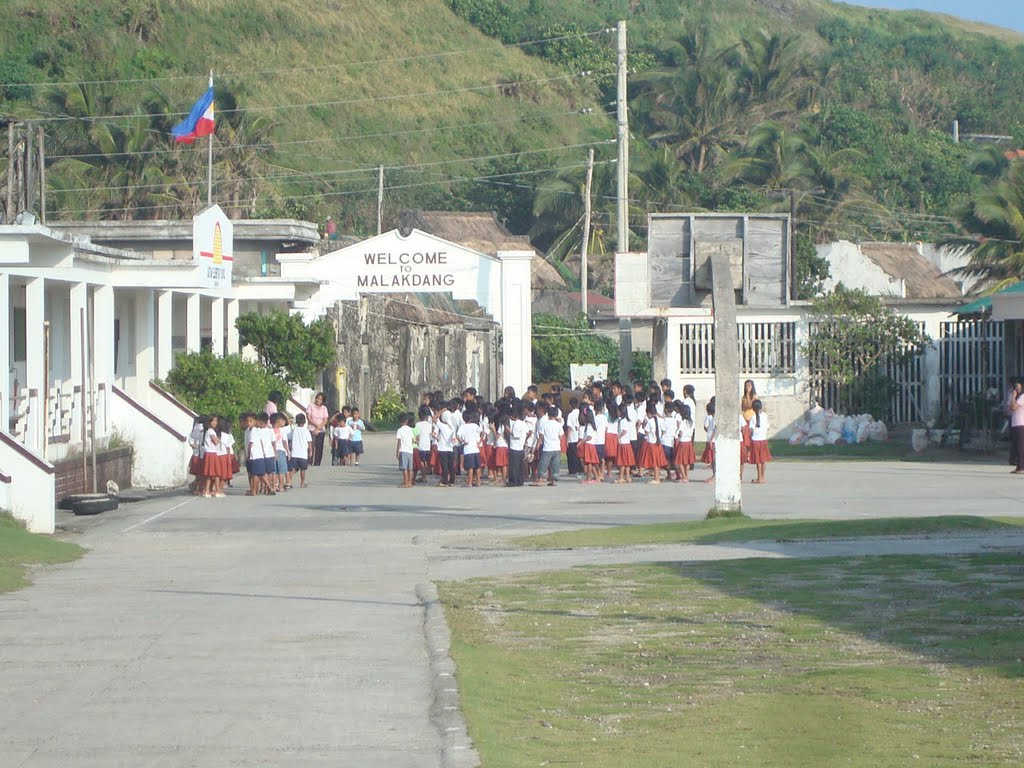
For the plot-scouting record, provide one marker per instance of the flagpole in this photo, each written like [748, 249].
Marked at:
[209, 161]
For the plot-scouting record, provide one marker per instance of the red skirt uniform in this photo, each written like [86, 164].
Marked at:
[745, 446]
[212, 465]
[564, 441]
[708, 457]
[652, 456]
[486, 454]
[611, 446]
[500, 457]
[685, 455]
[435, 461]
[590, 453]
[226, 466]
[195, 466]
[624, 455]
[759, 453]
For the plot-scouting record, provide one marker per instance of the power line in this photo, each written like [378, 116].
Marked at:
[315, 68]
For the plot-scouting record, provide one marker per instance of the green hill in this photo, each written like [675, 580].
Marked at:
[476, 104]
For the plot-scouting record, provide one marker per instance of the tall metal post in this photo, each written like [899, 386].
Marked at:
[209, 160]
[584, 253]
[380, 199]
[622, 239]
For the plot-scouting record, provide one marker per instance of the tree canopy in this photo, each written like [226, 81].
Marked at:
[287, 347]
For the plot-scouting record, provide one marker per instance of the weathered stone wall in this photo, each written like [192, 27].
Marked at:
[390, 342]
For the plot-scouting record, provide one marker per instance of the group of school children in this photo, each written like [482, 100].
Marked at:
[275, 449]
[346, 437]
[609, 433]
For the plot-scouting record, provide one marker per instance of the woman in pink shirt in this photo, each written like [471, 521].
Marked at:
[1016, 407]
[317, 416]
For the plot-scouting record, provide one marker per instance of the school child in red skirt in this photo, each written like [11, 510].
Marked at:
[708, 457]
[685, 455]
[587, 446]
[611, 436]
[229, 462]
[499, 456]
[652, 455]
[744, 444]
[195, 464]
[212, 474]
[759, 453]
[624, 459]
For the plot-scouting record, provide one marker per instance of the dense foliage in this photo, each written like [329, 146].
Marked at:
[287, 347]
[225, 386]
[559, 343]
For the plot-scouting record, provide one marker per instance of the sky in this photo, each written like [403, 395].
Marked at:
[1002, 13]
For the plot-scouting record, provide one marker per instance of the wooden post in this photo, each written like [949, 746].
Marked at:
[584, 266]
[11, 213]
[29, 160]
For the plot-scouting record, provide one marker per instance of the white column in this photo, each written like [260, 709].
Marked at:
[217, 327]
[35, 345]
[164, 333]
[5, 351]
[516, 318]
[103, 333]
[193, 322]
[78, 298]
[233, 310]
[145, 332]
[932, 374]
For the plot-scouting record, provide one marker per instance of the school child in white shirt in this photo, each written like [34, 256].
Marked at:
[355, 439]
[625, 428]
[470, 437]
[302, 450]
[759, 453]
[708, 457]
[424, 430]
[445, 436]
[533, 426]
[685, 455]
[341, 434]
[211, 459]
[227, 452]
[404, 449]
[518, 436]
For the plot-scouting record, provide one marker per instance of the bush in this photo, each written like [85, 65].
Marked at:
[224, 386]
[559, 343]
[387, 407]
[287, 346]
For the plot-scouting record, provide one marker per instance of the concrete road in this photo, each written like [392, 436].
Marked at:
[287, 630]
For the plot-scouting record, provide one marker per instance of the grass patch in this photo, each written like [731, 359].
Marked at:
[860, 661]
[725, 529]
[890, 450]
[20, 549]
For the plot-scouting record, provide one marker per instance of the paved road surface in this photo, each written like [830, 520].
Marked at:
[287, 631]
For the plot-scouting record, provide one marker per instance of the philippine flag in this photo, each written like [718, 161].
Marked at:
[199, 121]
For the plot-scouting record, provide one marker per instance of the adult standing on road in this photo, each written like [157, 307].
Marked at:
[1017, 425]
[317, 416]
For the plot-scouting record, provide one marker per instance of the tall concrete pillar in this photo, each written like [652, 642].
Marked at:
[931, 371]
[516, 318]
[193, 322]
[728, 487]
[36, 376]
[145, 347]
[164, 333]
[217, 327]
[5, 351]
[233, 311]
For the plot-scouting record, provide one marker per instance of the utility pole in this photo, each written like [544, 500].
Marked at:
[380, 199]
[793, 293]
[42, 176]
[622, 240]
[584, 271]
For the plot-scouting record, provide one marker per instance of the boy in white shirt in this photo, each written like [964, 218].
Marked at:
[519, 433]
[302, 450]
[445, 436]
[340, 436]
[355, 438]
[469, 436]
[424, 431]
[572, 438]
[403, 450]
[551, 448]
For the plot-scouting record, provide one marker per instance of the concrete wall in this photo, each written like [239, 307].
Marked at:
[114, 464]
[28, 484]
[161, 454]
[849, 266]
[380, 352]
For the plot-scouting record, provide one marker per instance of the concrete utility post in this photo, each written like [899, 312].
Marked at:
[728, 487]
[584, 253]
[622, 208]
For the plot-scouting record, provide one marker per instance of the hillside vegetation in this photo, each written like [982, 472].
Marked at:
[486, 104]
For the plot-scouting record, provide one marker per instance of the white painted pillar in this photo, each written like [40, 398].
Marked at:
[217, 327]
[233, 311]
[78, 300]
[5, 351]
[516, 318]
[193, 322]
[35, 365]
[164, 333]
[103, 333]
[931, 390]
[145, 332]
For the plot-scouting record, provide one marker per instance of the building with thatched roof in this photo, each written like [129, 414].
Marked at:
[890, 270]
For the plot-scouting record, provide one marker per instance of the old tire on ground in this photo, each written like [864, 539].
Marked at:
[95, 506]
[68, 502]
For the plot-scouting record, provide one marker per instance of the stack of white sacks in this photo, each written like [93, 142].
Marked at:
[826, 427]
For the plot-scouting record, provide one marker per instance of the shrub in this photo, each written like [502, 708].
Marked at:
[387, 407]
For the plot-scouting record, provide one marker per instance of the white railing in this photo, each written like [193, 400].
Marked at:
[767, 348]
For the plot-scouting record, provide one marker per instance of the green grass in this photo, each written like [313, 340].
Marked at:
[874, 662]
[887, 451]
[20, 549]
[747, 529]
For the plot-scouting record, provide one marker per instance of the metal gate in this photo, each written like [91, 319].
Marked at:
[972, 360]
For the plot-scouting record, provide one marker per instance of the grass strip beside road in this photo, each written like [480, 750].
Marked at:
[20, 549]
[747, 529]
[875, 662]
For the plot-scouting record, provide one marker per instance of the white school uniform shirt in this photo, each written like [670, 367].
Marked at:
[532, 425]
[709, 428]
[519, 430]
[209, 446]
[253, 444]
[227, 444]
[445, 435]
[653, 430]
[600, 428]
[659, 407]
[669, 430]
[195, 439]
[551, 432]
[469, 436]
[758, 433]
[301, 438]
[426, 429]
[687, 431]
[625, 427]
[343, 432]
[572, 423]
[499, 436]
[688, 401]
[266, 437]
[456, 420]
[405, 438]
